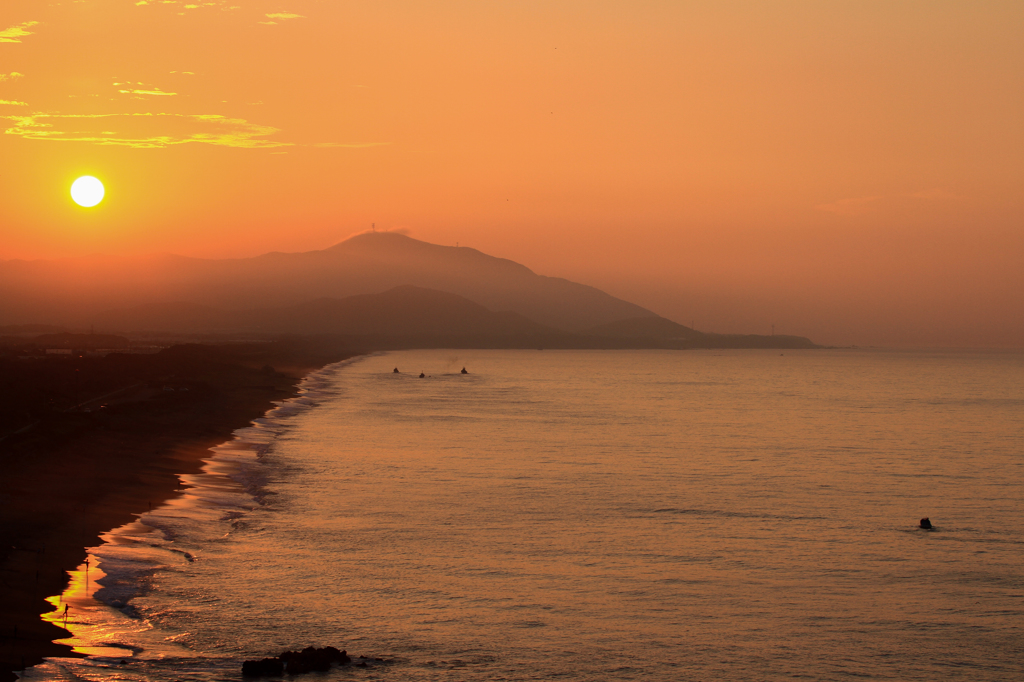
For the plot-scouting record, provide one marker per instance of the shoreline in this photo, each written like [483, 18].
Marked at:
[62, 488]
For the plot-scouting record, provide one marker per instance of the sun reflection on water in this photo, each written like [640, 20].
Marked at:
[76, 611]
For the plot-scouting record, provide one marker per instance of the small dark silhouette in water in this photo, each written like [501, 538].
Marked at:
[464, 371]
[396, 371]
[422, 375]
[926, 523]
[310, 659]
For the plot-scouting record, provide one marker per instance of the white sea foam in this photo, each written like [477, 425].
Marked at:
[213, 503]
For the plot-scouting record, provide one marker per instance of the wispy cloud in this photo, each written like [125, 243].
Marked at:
[14, 75]
[852, 206]
[280, 16]
[142, 89]
[155, 130]
[144, 131]
[14, 34]
[154, 92]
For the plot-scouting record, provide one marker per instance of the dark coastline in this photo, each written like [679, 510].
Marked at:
[75, 474]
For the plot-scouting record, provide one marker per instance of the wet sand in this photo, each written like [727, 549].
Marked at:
[75, 475]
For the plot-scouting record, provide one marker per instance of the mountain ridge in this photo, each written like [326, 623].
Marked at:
[408, 317]
[377, 287]
[363, 264]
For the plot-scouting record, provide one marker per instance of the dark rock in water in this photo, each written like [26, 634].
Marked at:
[395, 371]
[464, 371]
[312, 659]
[268, 667]
[926, 524]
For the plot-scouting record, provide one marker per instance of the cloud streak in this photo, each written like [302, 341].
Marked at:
[155, 130]
[156, 92]
[15, 33]
[138, 130]
[145, 90]
[280, 16]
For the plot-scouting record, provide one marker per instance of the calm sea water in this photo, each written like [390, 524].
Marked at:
[738, 515]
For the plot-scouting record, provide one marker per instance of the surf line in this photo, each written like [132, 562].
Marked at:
[95, 608]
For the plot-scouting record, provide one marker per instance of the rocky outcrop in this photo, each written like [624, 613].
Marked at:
[309, 660]
[268, 667]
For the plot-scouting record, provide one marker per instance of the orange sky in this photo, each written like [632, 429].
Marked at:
[849, 171]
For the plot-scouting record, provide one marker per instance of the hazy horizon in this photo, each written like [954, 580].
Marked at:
[845, 172]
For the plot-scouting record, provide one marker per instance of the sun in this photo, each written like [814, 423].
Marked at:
[87, 191]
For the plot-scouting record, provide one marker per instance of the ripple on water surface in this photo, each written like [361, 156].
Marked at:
[591, 515]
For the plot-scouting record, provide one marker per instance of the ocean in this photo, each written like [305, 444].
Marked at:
[589, 515]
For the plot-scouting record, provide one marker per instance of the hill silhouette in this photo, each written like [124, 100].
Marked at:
[405, 311]
[377, 289]
[658, 332]
[408, 316]
[646, 327]
[73, 290]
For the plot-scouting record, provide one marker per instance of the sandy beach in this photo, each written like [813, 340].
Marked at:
[77, 474]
